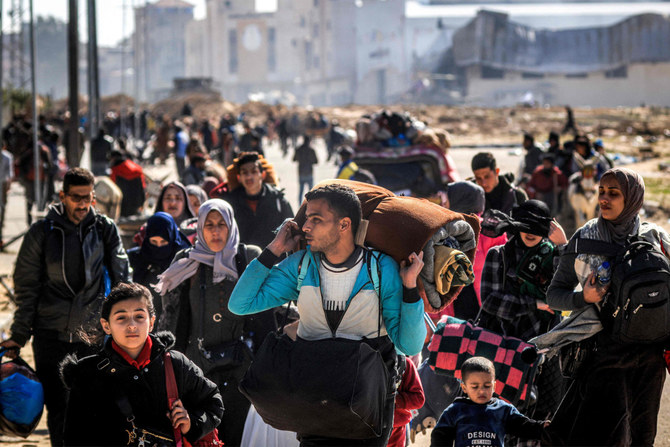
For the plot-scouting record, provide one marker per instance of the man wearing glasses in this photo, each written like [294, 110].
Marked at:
[59, 282]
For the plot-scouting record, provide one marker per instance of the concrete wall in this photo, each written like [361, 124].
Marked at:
[645, 83]
[159, 44]
[196, 48]
[325, 51]
[380, 52]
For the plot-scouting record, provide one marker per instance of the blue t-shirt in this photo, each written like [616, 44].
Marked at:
[468, 424]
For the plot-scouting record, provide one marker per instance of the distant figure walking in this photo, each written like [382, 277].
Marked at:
[305, 155]
[570, 125]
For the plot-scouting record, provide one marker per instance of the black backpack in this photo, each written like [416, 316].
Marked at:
[636, 308]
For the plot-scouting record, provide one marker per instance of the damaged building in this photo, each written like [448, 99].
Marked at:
[502, 63]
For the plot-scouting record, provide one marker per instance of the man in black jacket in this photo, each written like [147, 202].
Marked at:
[500, 194]
[259, 208]
[59, 282]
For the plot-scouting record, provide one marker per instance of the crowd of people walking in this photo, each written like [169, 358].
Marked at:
[205, 285]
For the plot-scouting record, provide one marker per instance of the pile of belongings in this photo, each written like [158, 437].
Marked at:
[448, 239]
[386, 129]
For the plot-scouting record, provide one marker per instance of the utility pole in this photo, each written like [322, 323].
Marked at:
[72, 151]
[136, 81]
[2, 64]
[33, 87]
[124, 42]
[93, 74]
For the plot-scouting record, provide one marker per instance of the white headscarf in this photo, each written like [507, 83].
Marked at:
[223, 262]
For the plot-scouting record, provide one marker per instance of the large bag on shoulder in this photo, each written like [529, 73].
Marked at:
[636, 308]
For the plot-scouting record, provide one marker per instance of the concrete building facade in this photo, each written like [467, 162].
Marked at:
[625, 64]
[323, 52]
[159, 45]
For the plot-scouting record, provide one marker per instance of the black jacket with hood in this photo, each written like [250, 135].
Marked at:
[504, 196]
[46, 301]
[97, 382]
[258, 228]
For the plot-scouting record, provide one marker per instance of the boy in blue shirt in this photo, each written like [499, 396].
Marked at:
[481, 419]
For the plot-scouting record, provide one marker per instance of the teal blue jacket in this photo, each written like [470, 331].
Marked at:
[260, 288]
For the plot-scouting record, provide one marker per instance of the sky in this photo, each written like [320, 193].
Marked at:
[110, 15]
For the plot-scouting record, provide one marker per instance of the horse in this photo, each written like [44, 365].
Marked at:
[583, 192]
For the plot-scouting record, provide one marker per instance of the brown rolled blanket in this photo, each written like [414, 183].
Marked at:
[399, 226]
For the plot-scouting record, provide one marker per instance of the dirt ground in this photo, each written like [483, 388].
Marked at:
[640, 132]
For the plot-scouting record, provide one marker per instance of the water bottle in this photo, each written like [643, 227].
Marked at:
[604, 273]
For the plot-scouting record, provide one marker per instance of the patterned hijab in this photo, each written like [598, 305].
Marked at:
[627, 223]
[222, 262]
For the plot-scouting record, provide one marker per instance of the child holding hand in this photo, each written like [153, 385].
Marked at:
[481, 419]
[119, 396]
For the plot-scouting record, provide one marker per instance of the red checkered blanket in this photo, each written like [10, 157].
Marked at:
[456, 340]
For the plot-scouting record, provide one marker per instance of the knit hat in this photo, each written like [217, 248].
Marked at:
[466, 197]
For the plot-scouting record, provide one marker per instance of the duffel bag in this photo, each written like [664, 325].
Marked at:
[332, 387]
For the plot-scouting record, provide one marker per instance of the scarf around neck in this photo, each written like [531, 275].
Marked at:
[222, 262]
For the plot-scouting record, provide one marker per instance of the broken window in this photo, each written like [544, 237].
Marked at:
[492, 73]
[621, 72]
[232, 51]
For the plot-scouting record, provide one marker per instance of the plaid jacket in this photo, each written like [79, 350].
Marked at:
[505, 308]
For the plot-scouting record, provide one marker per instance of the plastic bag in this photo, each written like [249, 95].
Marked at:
[21, 398]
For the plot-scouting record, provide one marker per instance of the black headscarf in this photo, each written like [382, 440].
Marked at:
[163, 225]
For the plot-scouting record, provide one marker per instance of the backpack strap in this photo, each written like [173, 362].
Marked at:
[302, 270]
[583, 246]
[593, 247]
[374, 272]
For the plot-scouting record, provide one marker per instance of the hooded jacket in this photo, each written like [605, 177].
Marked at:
[97, 382]
[504, 196]
[257, 228]
[46, 301]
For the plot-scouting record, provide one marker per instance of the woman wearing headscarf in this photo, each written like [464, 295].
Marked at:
[615, 397]
[514, 284]
[196, 197]
[195, 291]
[161, 243]
[173, 200]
